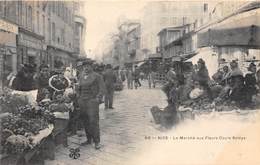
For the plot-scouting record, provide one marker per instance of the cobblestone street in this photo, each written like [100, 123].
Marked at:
[123, 130]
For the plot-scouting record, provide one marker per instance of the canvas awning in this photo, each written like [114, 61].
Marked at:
[239, 30]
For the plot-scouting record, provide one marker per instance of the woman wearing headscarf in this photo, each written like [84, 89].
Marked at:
[250, 83]
[202, 76]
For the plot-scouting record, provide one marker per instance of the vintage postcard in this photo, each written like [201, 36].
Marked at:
[129, 82]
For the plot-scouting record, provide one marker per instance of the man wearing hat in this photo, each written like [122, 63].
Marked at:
[90, 94]
[110, 80]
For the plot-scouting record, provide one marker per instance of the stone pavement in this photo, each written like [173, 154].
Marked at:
[123, 130]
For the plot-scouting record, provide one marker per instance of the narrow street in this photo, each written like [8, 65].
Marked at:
[206, 139]
[123, 129]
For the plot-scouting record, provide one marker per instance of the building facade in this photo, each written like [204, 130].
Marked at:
[135, 54]
[159, 15]
[45, 31]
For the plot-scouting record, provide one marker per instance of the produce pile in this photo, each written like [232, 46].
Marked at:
[203, 104]
[10, 103]
[20, 125]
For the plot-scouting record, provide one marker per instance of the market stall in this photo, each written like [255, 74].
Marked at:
[24, 127]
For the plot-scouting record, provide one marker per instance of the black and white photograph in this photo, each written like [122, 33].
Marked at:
[129, 82]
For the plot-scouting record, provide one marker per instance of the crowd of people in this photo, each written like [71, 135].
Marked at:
[77, 96]
[74, 98]
[229, 86]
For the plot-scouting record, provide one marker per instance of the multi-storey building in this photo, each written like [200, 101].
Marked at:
[45, 32]
[135, 54]
[79, 28]
[158, 15]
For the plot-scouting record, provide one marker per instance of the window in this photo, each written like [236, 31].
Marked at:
[49, 29]
[205, 7]
[43, 25]
[38, 22]
[62, 11]
[184, 20]
[53, 31]
[20, 10]
[49, 9]
[59, 9]
[53, 7]
[29, 17]
[56, 7]
[66, 15]
[1, 8]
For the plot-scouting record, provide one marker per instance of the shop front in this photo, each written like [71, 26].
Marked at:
[30, 48]
[56, 55]
[8, 55]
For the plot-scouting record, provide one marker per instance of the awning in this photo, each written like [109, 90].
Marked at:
[239, 30]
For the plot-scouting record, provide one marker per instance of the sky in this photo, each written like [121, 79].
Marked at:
[102, 17]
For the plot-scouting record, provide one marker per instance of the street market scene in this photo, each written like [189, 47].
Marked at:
[156, 82]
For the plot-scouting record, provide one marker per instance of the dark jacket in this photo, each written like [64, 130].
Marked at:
[109, 79]
[91, 86]
[202, 76]
[250, 83]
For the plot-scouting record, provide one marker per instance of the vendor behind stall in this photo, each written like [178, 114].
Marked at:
[202, 76]
[24, 80]
[250, 83]
[236, 82]
[42, 82]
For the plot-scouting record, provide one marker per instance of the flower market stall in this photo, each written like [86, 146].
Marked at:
[24, 127]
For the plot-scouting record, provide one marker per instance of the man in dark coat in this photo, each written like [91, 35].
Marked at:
[90, 94]
[110, 80]
[136, 76]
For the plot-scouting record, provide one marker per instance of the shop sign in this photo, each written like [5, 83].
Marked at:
[9, 27]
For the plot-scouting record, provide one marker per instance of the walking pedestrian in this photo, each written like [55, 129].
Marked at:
[110, 80]
[151, 79]
[90, 94]
[136, 75]
[129, 76]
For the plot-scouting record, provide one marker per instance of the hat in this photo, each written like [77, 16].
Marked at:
[251, 65]
[201, 61]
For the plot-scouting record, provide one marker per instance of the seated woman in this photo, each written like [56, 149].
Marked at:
[168, 117]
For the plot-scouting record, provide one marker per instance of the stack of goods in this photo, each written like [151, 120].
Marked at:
[18, 128]
[9, 102]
